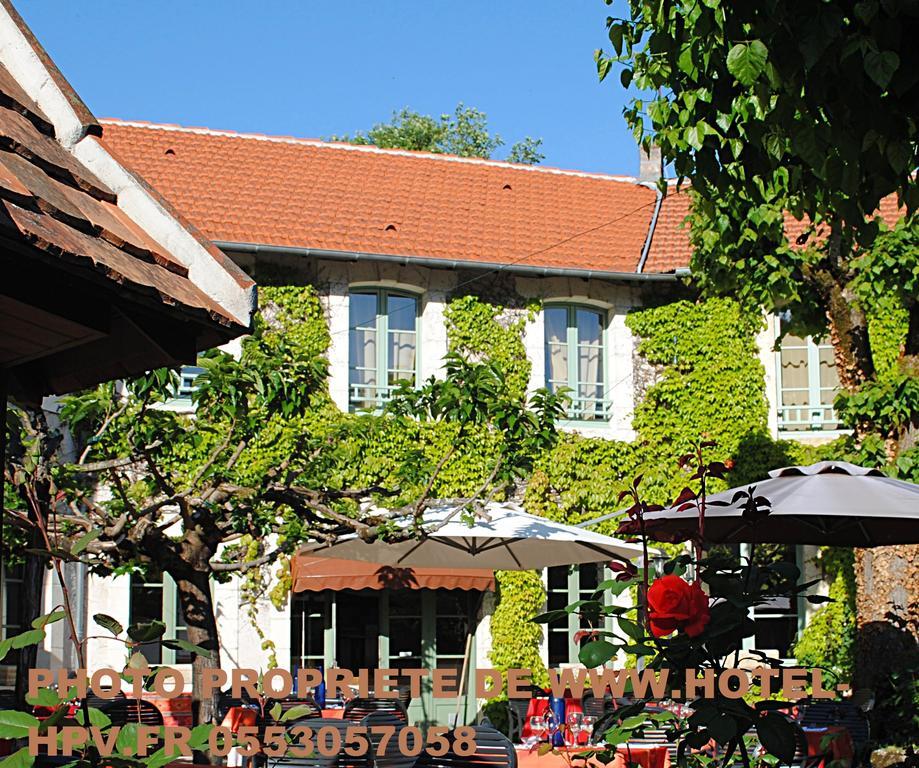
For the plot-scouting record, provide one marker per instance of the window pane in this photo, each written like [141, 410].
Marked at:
[588, 578]
[558, 647]
[590, 327]
[557, 577]
[363, 310]
[402, 312]
[362, 355]
[829, 379]
[556, 320]
[794, 374]
[401, 356]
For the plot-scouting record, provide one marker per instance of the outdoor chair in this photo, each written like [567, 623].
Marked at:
[492, 750]
[317, 759]
[122, 711]
[357, 709]
[844, 714]
[405, 695]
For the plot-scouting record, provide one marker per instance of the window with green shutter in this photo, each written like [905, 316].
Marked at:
[383, 349]
[576, 358]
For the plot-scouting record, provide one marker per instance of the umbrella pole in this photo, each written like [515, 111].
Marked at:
[463, 693]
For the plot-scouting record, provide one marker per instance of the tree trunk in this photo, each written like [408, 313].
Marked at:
[194, 593]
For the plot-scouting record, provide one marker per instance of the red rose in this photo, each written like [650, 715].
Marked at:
[674, 604]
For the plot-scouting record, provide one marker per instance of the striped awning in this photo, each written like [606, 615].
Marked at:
[314, 574]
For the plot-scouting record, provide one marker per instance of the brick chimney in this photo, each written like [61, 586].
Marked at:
[650, 165]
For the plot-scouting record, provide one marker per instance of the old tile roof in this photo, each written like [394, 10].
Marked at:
[101, 279]
[297, 192]
[50, 200]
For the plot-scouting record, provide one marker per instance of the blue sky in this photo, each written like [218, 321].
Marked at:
[315, 69]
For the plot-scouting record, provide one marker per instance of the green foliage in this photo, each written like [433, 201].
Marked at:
[515, 639]
[828, 640]
[742, 99]
[711, 384]
[479, 330]
[888, 272]
[464, 133]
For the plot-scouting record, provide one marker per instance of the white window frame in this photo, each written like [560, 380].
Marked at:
[382, 389]
[576, 408]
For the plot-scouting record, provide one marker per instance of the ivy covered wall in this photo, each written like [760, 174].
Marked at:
[698, 374]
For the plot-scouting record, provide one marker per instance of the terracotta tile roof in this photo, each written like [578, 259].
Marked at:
[313, 194]
[670, 247]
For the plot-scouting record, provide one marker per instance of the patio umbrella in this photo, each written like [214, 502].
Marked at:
[505, 539]
[831, 502]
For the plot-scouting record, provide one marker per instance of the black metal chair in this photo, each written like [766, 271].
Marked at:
[843, 714]
[317, 759]
[357, 709]
[122, 711]
[492, 750]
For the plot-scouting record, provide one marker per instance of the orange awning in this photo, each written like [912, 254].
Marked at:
[314, 574]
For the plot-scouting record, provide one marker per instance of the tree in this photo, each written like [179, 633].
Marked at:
[264, 462]
[464, 133]
[807, 109]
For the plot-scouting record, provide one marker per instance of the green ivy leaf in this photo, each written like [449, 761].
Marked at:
[41, 622]
[297, 712]
[746, 61]
[881, 66]
[44, 697]
[29, 637]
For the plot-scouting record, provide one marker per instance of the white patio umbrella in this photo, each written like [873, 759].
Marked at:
[505, 539]
[508, 540]
[831, 502]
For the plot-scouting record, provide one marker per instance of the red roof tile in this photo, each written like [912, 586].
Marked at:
[313, 194]
[670, 247]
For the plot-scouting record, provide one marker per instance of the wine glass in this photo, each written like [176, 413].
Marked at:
[538, 726]
[588, 726]
[575, 726]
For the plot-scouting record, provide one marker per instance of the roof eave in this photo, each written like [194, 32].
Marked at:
[440, 263]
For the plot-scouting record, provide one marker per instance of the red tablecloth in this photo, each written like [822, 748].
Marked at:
[647, 757]
[538, 708]
[833, 742]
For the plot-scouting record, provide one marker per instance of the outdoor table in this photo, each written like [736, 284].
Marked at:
[646, 757]
[538, 708]
[833, 742]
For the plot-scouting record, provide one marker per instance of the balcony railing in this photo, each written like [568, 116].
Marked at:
[804, 418]
[588, 409]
